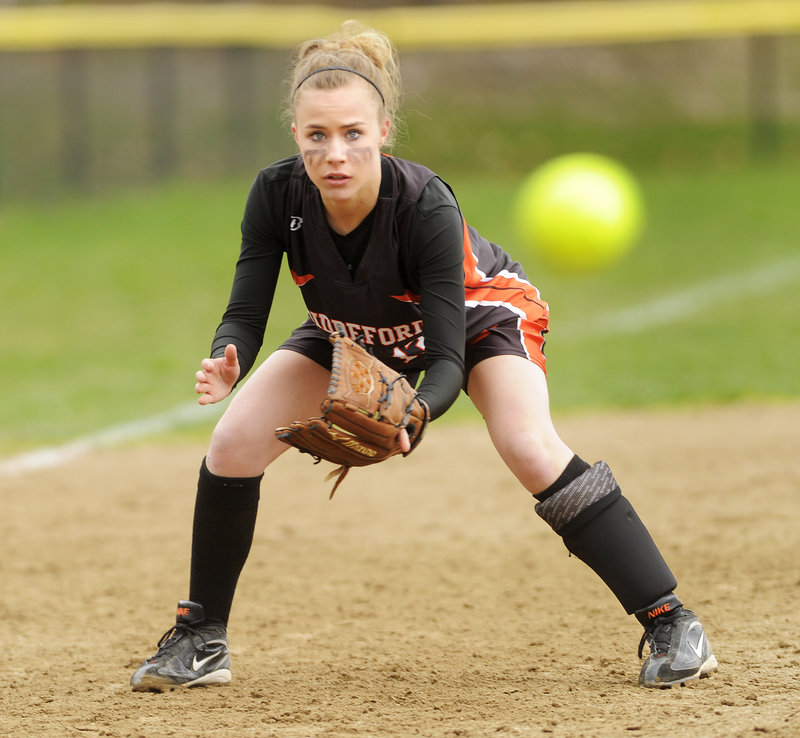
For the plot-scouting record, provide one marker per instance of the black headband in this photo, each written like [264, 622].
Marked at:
[341, 69]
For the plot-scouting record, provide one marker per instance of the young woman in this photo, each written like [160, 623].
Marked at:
[379, 249]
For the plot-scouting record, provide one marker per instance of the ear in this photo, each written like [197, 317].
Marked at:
[294, 133]
[384, 131]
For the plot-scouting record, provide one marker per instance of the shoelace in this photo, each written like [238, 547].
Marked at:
[174, 634]
[659, 637]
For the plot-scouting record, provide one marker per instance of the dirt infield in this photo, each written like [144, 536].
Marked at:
[427, 599]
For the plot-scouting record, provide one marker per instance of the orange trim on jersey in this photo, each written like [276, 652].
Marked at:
[301, 279]
[470, 260]
[501, 288]
[407, 297]
[508, 290]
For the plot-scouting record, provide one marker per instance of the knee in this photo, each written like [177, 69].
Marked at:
[523, 450]
[232, 454]
[535, 460]
[224, 444]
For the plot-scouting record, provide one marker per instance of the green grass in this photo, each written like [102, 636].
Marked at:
[108, 304]
[701, 227]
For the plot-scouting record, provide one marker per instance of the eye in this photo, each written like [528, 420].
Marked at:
[317, 136]
[353, 133]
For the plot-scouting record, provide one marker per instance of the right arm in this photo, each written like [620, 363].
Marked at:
[239, 336]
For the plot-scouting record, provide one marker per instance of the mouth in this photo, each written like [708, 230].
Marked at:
[337, 178]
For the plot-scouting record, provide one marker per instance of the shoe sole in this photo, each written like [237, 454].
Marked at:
[160, 684]
[704, 672]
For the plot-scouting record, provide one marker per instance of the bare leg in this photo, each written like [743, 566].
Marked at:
[511, 394]
[286, 387]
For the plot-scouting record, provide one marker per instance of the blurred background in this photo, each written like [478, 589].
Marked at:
[86, 108]
[129, 139]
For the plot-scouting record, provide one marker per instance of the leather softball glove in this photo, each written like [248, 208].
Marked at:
[368, 404]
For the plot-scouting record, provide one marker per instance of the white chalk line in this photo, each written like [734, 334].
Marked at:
[657, 312]
[685, 303]
[52, 456]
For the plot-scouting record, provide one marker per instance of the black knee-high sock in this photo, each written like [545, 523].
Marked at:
[224, 520]
[572, 471]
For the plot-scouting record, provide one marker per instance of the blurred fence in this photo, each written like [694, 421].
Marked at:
[100, 96]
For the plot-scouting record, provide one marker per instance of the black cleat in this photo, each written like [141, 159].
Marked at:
[679, 649]
[190, 654]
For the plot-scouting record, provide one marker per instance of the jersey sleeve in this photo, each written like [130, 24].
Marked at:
[256, 275]
[437, 244]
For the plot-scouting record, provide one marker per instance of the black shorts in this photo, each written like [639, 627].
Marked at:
[513, 336]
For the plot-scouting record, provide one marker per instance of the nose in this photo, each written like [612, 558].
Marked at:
[336, 150]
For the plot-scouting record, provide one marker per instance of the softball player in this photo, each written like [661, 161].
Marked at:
[380, 250]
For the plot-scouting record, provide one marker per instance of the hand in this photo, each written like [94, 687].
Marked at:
[403, 440]
[216, 377]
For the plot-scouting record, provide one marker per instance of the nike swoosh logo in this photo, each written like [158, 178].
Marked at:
[197, 665]
[698, 648]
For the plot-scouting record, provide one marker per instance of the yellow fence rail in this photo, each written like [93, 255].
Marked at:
[441, 27]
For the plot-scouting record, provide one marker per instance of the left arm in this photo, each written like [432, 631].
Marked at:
[437, 248]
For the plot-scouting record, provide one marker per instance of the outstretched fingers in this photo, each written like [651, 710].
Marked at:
[216, 377]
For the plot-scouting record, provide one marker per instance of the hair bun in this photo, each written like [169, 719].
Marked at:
[367, 51]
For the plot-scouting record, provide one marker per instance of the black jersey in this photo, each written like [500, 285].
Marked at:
[425, 288]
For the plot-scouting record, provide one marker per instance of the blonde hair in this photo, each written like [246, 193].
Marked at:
[361, 50]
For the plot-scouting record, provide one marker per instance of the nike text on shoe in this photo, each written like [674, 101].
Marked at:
[679, 649]
[190, 654]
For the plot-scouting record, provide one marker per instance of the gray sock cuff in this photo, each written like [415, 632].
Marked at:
[562, 507]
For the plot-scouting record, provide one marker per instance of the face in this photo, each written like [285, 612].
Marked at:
[339, 134]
